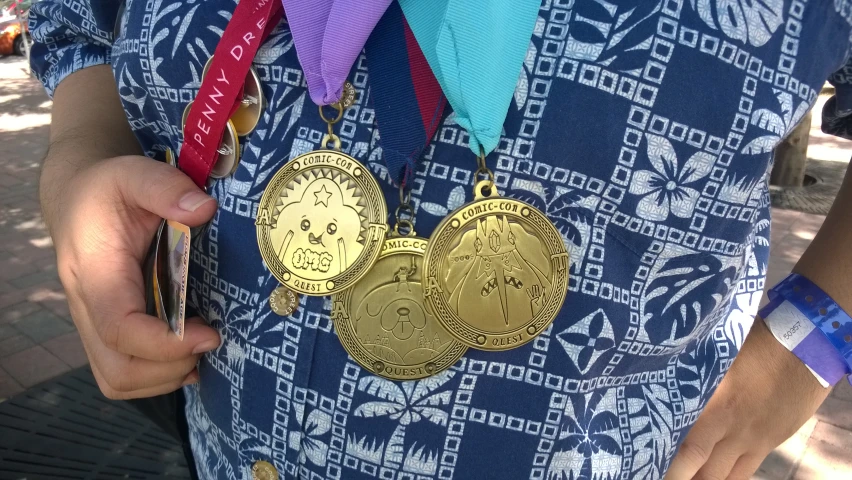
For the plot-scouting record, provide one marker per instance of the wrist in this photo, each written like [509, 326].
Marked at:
[769, 361]
[811, 325]
[64, 163]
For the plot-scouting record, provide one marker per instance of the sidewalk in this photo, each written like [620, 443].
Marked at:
[38, 340]
[820, 449]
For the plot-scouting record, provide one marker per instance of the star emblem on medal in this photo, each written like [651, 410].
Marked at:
[322, 196]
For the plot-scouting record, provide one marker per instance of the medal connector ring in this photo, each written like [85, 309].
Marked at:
[339, 116]
[480, 159]
[403, 228]
[485, 189]
[487, 174]
[330, 137]
[481, 190]
[404, 211]
[404, 196]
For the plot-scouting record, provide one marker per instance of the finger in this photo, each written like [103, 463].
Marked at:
[746, 466]
[114, 302]
[163, 190]
[696, 447]
[722, 459]
[190, 378]
[150, 338]
[689, 459]
[121, 373]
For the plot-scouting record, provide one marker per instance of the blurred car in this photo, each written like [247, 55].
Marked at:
[11, 38]
[13, 8]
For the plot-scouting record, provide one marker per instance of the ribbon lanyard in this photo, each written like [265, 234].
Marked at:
[476, 55]
[221, 90]
[407, 98]
[329, 36]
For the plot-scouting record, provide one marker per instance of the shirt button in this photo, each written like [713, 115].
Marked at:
[262, 470]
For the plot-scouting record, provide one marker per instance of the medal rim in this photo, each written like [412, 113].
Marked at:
[433, 257]
[253, 110]
[377, 220]
[349, 340]
[231, 160]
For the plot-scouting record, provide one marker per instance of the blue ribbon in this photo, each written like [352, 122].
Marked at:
[476, 50]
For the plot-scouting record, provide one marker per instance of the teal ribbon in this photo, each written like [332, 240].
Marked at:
[476, 49]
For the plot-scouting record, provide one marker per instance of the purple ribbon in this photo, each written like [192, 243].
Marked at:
[329, 35]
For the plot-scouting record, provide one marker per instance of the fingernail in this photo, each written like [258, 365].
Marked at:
[205, 347]
[192, 200]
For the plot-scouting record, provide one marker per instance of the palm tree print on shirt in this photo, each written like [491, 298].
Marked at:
[310, 439]
[407, 403]
[590, 432]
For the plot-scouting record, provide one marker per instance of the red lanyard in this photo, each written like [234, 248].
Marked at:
[221, 90]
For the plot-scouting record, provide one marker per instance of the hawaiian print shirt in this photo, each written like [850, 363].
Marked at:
[644, 129]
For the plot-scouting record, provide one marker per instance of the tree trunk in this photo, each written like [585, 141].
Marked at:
[395, 451]
[791, 156]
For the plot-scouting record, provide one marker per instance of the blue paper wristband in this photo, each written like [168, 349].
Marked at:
[828, 318]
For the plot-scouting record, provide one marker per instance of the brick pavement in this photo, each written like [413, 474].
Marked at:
[38, 340]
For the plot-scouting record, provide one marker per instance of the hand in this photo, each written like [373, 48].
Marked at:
[535, 294]
[767, 395]
[102, 221]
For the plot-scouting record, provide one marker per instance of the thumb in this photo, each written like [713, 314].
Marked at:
[162, 190]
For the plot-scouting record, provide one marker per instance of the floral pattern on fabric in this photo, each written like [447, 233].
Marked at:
[643, 129]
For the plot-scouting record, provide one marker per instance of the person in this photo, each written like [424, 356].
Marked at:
[644, 131]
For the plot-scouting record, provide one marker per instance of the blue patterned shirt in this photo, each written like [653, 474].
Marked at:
[644, 129]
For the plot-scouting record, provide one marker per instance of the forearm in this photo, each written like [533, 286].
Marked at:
[88, 124]
[828, 260]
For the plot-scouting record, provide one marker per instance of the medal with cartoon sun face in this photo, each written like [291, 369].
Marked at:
[495, 271]
[321, 223]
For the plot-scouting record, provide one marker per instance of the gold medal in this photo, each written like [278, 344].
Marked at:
[384, 323]
[284, 301]
[496, 271]
[247, 116]
[263, 470]
[228, 153]
[321, 223]
[347, 98]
